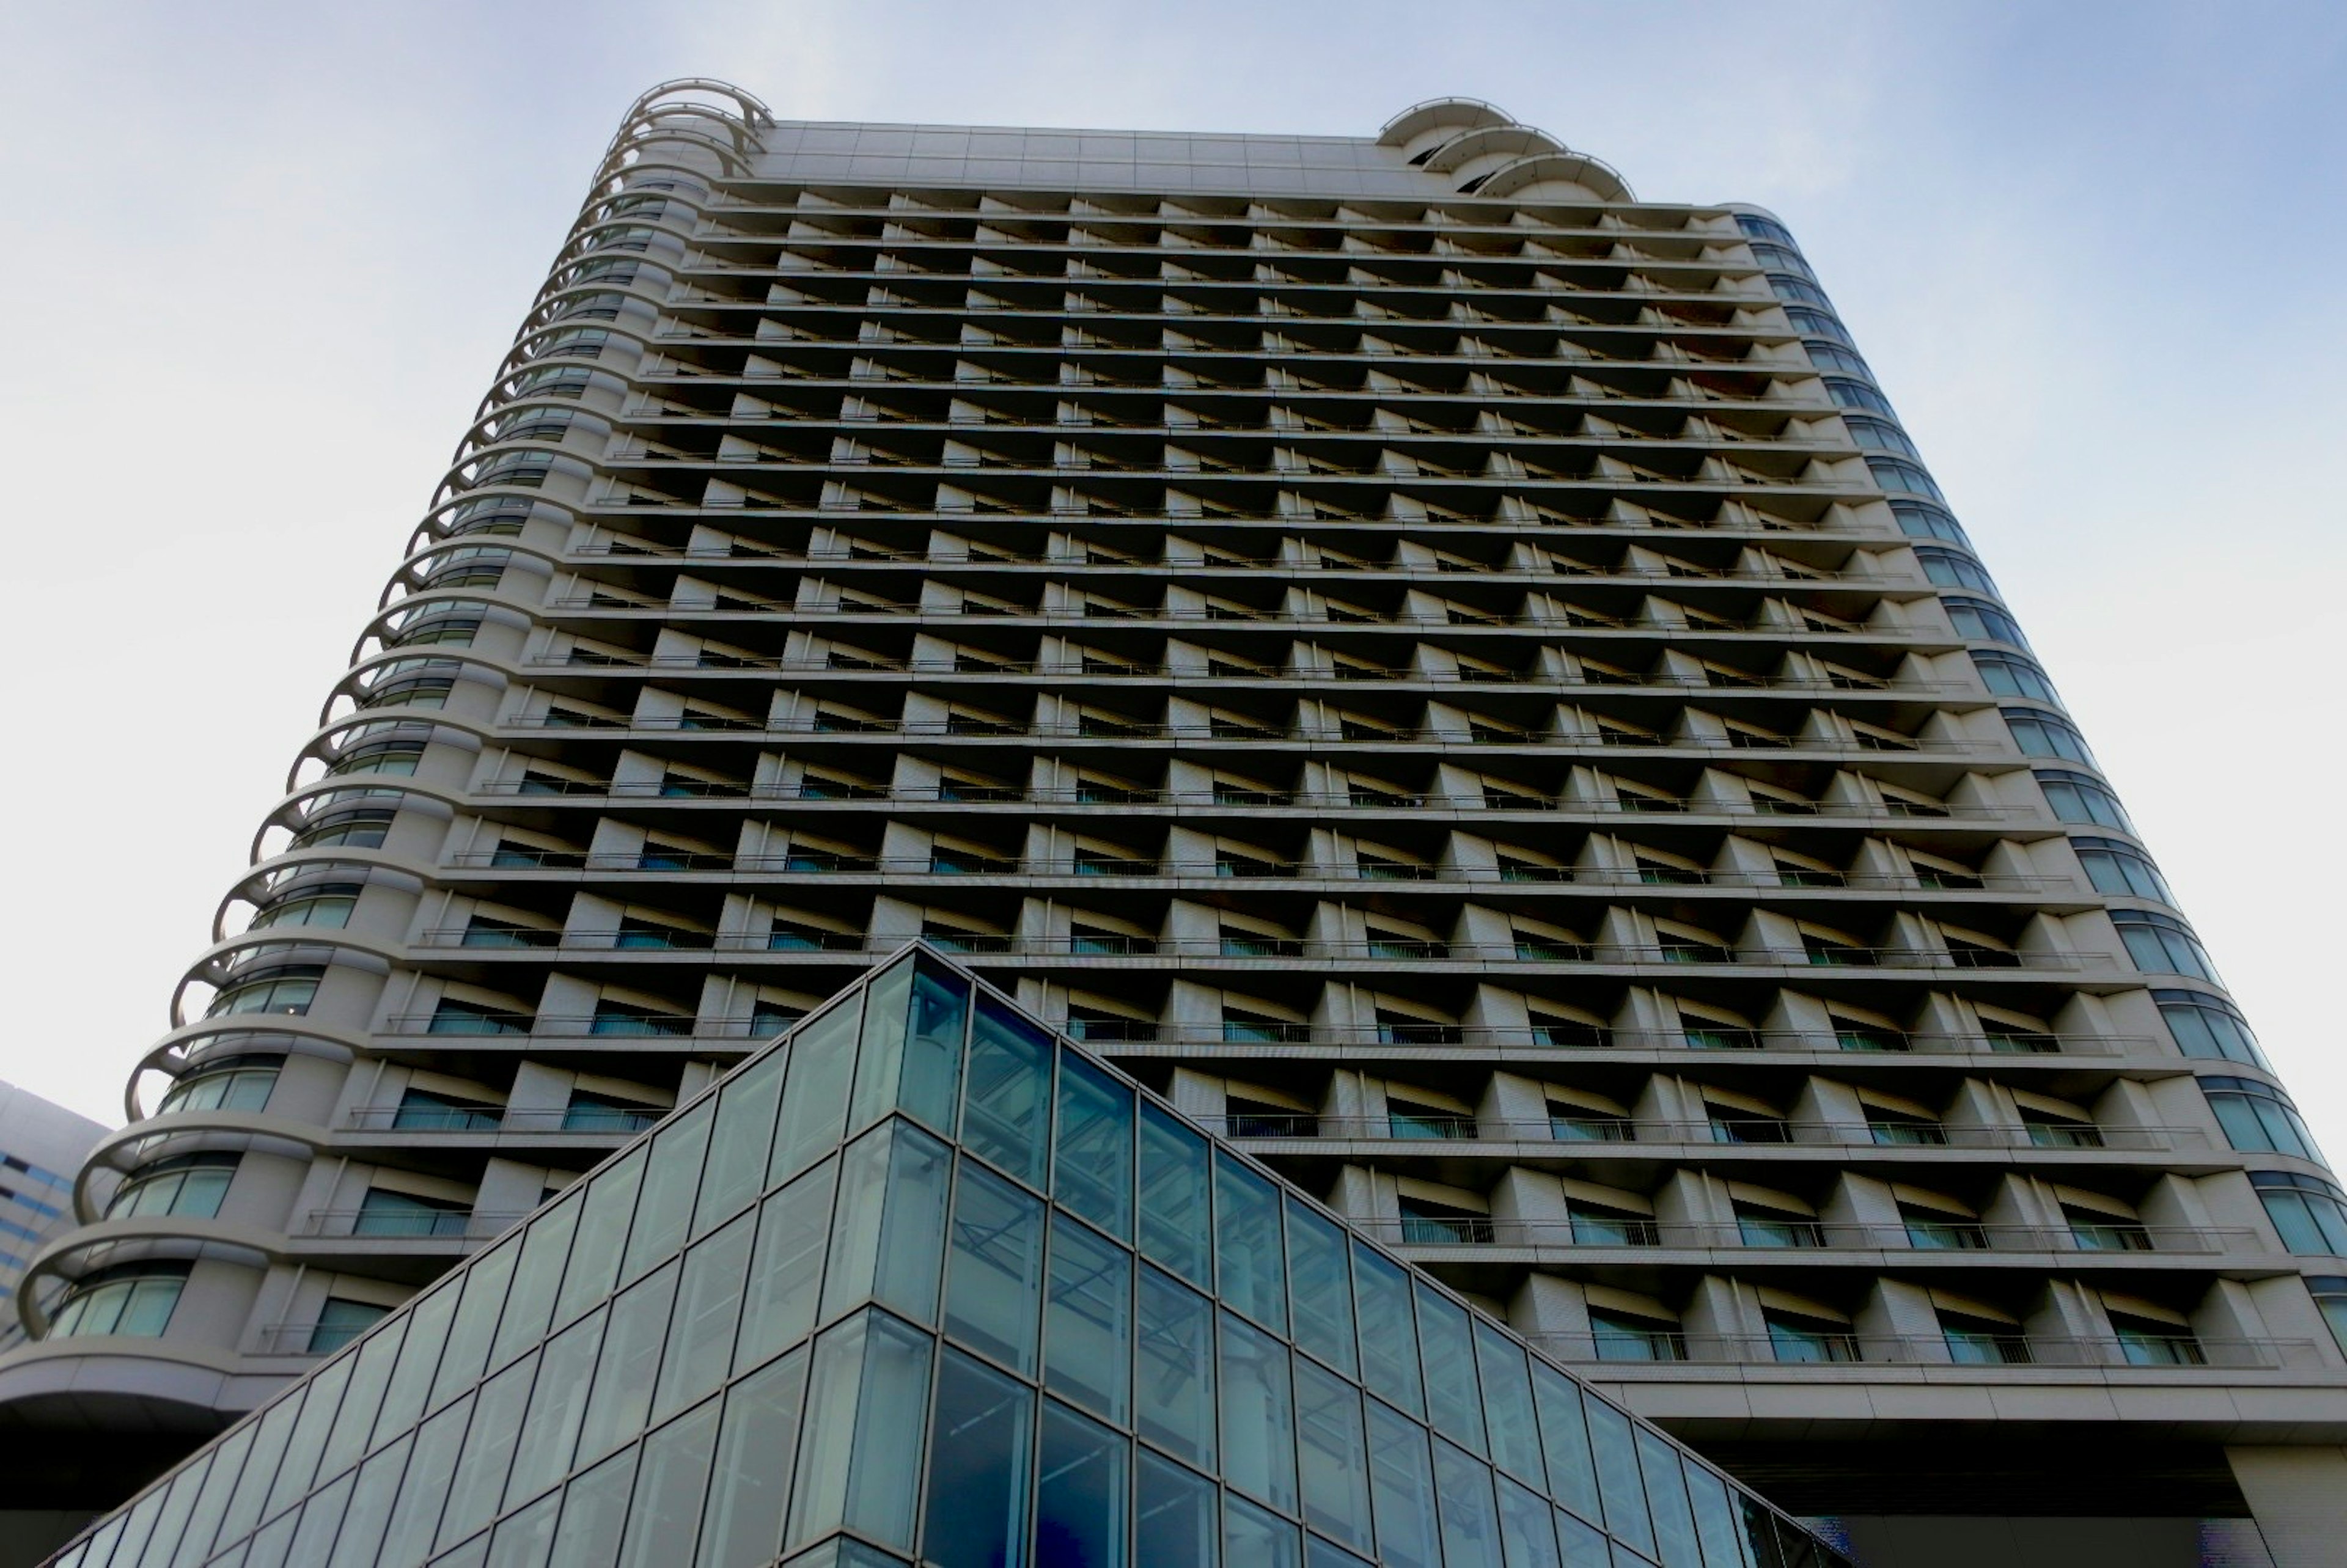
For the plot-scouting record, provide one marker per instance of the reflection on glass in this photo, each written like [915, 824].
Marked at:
[1610, 1442]
[1173, 1207]
[1250, 1265]
[489, 1440]
[994, 1280]
[739, 1143]
[1572, 1473]
[1449, 1356]
[1388, 1334]
[1666, 1495]
[370, 1375]
[913, 1023]
[1174, 1366]
[365, 1516]
[602, 1233]
[742, 1526]
[1470, 1526]
[622, 1395]
[1401, 1487]
[672, 1178]
[594, 1507]
[1010, 1091]
[1258, 1424]
[1332, 1455]
[1174, 1514]
[1528, 1529]
[891, 1224]
[557, 1405]
[1092, 1170]
[1319, 1286]
[1087, 1333]
[521, 1541]
[700, 1333]
[1081, 1492]
[978, 1437]
[1255, 1537]
[666, 1512]
[787, 1267]
[815, 1094]
[529, 1305]
[863, 1412]
[1508, 1415]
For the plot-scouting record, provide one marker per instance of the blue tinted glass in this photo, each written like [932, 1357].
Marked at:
[621, 1397]
[1174, 1516]
[594, 1510]
[890, 1237]
[979, 1441]
[1081, 1492]
[913, 1019]
[1010, 1091]
[671, 1479]
[1470, 1523]
[594, 1262]
[1508, 1415]
[1174, 1362]
[1666, 1495]
[1572, 1474]
[1332, 1455]
[545, 1249]
[1087, 1334]
[1319, 1286]
[1388, 1336]
[1094, 1174]
[1401, 1485]
[1257, 1539]
[1527, 1528]
[741, 1143]
[708, 1304]
[1611, 1441]
[1714, 1519]
[742, 1526]
[994, 1282]
[1258, 1420]
[787, 1267]
[490, 1440]
[1174, 1207]
[672, 1180]
[1451, 1397]
[431, 1467]
[1581, 1545]
[556, 1408]
[815, 1092]
[1249, 1264]
[369, 1379]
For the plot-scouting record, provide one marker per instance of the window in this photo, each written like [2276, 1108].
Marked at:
[1950, 570]
[1818, 323]
[1979, 619]
[2044, 734]
[2147, 1342]
[358, 829]
[1242, 1028]
[2310, 1212]
[329, 906]
[399, 758]
[2163, 944]
[286, 989]
[2095, 1230]
[2055, 1129]
[1597, 1225]
[451, 1017]
[1833, 356]
[1983, 1341]
[1788, 288]
[2330, 1292]
[1759, 1226]
[385, 1213]
[1759, 228]
[131, 1299]
[421, 1110]
[340, 1321]
[2208, 1026]
[1427, 1223]
[626, 1018]
[2008, 676]
[1619, 1337]
[1580, 1124]
[1405, 1120]
[1793, 1338]
[188, 1185]
[232, 1084]
[592, 1112]
[2258, 1118]
[1902, 477]
[1848, 394]
[2075, 797]
[1780, 258]
[1919, 521]
[1881, 436]
[2121, 869]
[1936, 1230]
[1887, 1126]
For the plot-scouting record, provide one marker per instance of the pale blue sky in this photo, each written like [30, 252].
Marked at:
[261, 259]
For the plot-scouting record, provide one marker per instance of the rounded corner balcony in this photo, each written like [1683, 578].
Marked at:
[1448, 114]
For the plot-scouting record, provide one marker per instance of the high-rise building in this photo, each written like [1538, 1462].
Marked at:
[1452, 674]
[41, 1145]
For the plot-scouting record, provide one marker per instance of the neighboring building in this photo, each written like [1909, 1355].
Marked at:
[1452, 674]
[41, 1145]
[922, 1281]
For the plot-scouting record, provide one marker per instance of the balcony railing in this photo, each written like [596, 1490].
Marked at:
[396, 1224]
[1745, 1135]
[2124, 1245]
[2172, 1353]
[580, 1121]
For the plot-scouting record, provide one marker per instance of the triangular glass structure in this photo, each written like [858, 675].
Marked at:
[924, 1282]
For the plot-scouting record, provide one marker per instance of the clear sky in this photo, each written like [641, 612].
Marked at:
[260, 261]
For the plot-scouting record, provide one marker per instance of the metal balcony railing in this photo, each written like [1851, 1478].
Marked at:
[1791, 1235]
[1595, 1134]
[581, 1120]
[379, 1224]
[2180, 1352]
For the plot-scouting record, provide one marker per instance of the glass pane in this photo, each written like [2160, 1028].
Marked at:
[1249, 1263]
[891, 1226]
[487, 1284]
[138, 1527]
[815, 1094]
[219, 1484]
[268, 1441]
[913, 1025]
[602, 1233]
[1174, 1359]
[871, 1378]
[529, 1308]
[370, 1507]
[994, 1283]
[1093, 1175]
[1256, 1539]
[431, 1466]
[787, 1267]
[269, 1548]
[669, 1481]
[372, 1373]
[708, 1304]
[1449, 1353]
[523, 1540]
[621, 1401]
[1388, 1336]
[742, 1525]
[1258, 1422]
[1610, 1440]
[1333, 1455]
[171, 1522]
[1666, 1496]
[1401, 1484]
[1581, 1545]
[557, 1406]
[299, 1465]
[489, 1440]
[672, 1181]
[419, 1358]
[1081, 1492]
[979, 1440]
[594, 1508]
[739, 1143]
[1008, 1093]
[1174, 1516]
[1470, 1525]
[1508, 1415]
[1173, 1196]
[1527, 1528]
[322, 1517]
[1088, 1322]
[1572, 1475]
[1320, 1287]
[1714, 1519]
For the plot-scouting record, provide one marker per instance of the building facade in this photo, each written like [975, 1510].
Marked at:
[1452, 674]
[920, 1281]
[41, 1145]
